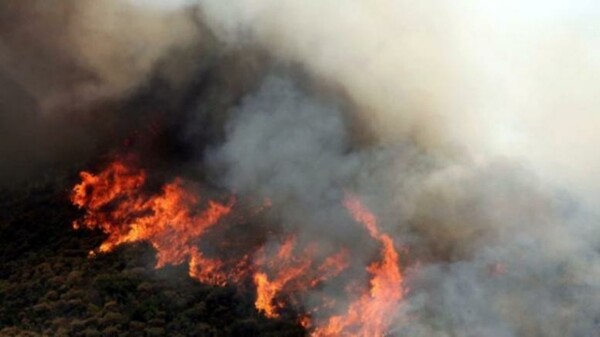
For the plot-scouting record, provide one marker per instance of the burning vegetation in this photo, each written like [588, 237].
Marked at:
[174, 220]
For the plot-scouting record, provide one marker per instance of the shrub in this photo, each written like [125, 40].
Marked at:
[154, 332]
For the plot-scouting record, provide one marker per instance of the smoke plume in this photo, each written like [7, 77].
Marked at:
[486, 184]
[467, 128]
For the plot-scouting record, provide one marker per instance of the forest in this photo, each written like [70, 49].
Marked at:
[50, 286]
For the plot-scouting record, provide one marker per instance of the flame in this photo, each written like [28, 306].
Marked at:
[292, 274]
[96, 191]
[116, 204]
[373, 312]
[174, 220]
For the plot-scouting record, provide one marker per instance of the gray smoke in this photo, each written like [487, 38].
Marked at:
[495, 105]
[494, 250]
[491, 79]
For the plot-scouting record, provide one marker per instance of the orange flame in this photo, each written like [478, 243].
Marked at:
[95, 192]
[373, 312]
[293, 274]
[116, 204]
[172, 221]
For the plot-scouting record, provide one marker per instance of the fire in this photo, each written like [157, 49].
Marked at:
[373, 312]
[293, 273]
[117, 205]
[175, 220]
[96, 191]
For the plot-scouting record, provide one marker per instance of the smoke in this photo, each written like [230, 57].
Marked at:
[68, 68]
[81, 51]
[394, 75]
[468, 128]
[480, 159]
[493, 249]
[481, 77]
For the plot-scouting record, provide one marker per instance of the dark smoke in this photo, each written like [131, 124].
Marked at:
[79, 78]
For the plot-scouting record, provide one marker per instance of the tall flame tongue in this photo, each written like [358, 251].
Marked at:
[373, 312]
[172, 222]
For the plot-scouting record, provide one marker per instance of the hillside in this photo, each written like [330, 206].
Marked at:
[50, 287]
